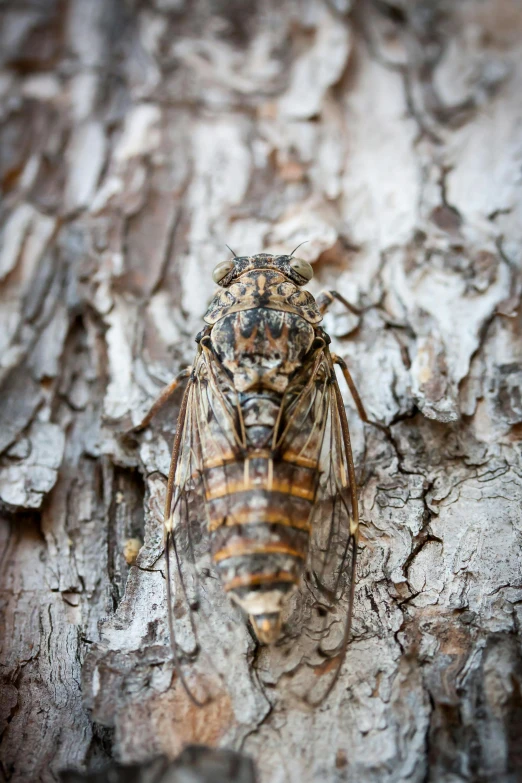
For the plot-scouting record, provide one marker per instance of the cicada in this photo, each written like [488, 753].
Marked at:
[262, 437]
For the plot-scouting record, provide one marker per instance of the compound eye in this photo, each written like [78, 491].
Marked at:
[221, 270]
[302, 268]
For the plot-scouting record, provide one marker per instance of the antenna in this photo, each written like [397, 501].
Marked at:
[234, 254]
[297, 248]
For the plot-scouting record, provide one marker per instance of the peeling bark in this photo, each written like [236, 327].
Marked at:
[135, 140]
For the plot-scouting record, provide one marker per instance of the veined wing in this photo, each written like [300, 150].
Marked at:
[316, 432]
[206, 432]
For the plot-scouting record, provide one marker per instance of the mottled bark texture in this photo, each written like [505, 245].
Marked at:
[136, 139]
[195, 764]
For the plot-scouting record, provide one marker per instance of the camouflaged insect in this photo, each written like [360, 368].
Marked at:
[263, 437]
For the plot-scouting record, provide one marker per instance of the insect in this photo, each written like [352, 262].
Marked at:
[262, 436]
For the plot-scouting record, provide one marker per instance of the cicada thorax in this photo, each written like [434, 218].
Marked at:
[259, 492]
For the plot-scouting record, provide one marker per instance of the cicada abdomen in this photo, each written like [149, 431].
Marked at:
[263, 430]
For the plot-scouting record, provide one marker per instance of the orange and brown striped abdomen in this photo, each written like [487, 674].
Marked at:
[259, 516]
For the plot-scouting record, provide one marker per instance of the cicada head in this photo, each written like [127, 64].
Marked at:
[297, 270]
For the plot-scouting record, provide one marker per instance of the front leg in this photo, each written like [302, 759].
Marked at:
[163, 397]
[355, 394]
[325, 299]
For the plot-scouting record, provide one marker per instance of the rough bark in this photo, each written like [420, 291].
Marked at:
[196, 764]
[136, 139]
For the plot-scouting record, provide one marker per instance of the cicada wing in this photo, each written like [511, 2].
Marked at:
[304, 409]
[315, 432]
[182, 531]
[206, 424]
[333, 546]
[335, 516]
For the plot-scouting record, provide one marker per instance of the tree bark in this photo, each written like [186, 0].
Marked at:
[136, 140]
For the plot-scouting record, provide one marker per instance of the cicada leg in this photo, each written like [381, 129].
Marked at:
[325, 299]
[361, 410]
[355, 394]
[163, 397]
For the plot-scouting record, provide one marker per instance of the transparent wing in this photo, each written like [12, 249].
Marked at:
[335, 517]
[206, 424]
[317, 433]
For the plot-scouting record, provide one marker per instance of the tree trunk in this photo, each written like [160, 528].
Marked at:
[136, 140]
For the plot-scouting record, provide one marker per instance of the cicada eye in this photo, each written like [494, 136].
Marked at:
[221, 270]
[302, 268]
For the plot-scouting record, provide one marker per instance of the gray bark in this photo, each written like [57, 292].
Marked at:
[136, 139]
[196, 764]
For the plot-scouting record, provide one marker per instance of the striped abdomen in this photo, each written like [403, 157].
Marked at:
[258, 515]
[259, 520]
